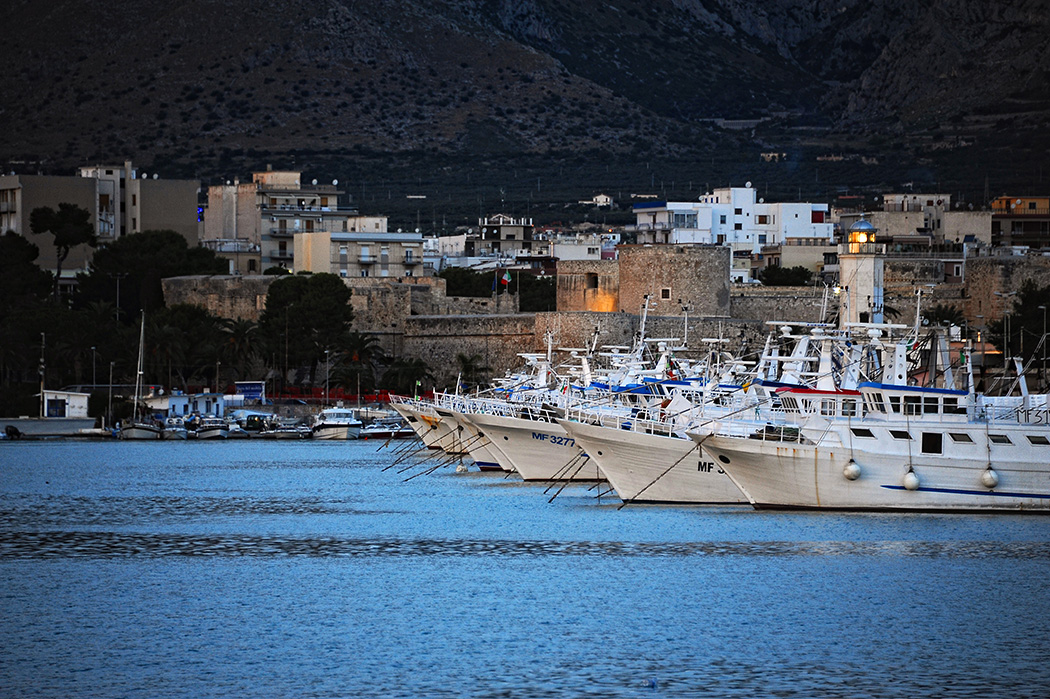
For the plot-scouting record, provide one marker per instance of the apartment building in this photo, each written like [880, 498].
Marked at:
[121, 200]
[734, 217]
[254, 224]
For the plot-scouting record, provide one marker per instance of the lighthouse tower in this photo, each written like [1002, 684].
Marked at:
[860, 276]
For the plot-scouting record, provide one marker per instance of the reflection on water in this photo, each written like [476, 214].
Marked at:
[76, 544]
[305, 569]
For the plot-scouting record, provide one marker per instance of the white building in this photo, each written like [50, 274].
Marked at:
[733, 216]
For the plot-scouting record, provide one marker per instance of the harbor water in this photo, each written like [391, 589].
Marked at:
[304, 569]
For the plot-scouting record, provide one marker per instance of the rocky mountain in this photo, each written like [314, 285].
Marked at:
[217, 87]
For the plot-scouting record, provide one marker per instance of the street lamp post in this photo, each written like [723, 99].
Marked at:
[1042, 343]
[1006, 327]
[109, 406]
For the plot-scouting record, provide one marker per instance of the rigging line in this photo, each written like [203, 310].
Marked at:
[666, 471]
[403, 457]
[556, 476]
[569, 479]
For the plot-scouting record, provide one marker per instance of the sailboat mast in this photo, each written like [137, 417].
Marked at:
[138, 373]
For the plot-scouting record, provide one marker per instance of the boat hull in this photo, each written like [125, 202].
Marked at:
[478, 445]
[649, 468]
[139, 432]
[337, 432]
[793, 475]
[539, 451]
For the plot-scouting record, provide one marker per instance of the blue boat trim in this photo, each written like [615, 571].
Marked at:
[960, 491]
[911, 389]
[490, 464]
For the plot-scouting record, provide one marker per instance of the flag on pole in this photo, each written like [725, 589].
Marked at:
[505, 279]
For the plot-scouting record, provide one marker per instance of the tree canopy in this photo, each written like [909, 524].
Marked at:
[786, 276]
[70, 226]
[304, 316]
[138, 262]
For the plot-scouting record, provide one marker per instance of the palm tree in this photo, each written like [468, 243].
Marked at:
[240, 344]
[472, 370]
[358, 356]
[406, 376]
[944, 314]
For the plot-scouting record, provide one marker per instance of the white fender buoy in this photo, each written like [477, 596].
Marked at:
[989, 479]
[911, 481]
[851, 471]
[462, 468]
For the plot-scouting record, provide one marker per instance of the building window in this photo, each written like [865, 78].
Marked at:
[762, 238]
[818, 217]
[737, 212]
[722, 219]
[134, 200]
[665, 293]
[251, 266]
[364, 272]
[592, 280]
[738, 226]
[762, 219]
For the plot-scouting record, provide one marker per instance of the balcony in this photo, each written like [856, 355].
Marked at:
[280, 255]
[366, 260]
[282, 232]
[412, 260]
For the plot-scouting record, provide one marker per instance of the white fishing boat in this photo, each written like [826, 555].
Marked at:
[336, 423]
[648, 467]
[890, 446]
[139, 428]
[481, 449]
[538, 448]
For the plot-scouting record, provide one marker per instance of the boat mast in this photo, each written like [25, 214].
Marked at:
[138, 373]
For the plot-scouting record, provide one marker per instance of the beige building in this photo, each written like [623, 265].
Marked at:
[254, 224]
[120, 198]
[360, 254]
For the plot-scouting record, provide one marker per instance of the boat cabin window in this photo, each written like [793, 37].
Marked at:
[999, 439]
[900, 434]
[960, 438]
[849, 407]
[862, 432]
[827, 406]
[952, 407]
[932, 442]
[930, 405]
[912, 405]
[895, 403]
[790, 404]
[1038, 439]
[875, 402]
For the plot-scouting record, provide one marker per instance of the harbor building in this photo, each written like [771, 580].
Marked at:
[120, 198]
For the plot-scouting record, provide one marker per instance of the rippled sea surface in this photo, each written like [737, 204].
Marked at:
[304, 569]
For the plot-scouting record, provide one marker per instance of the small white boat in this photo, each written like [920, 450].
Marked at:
[235, 431]
[336, 423]
[174, 428]
[139, 430]
[387, 428]
[212, 428]
[136, 428]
